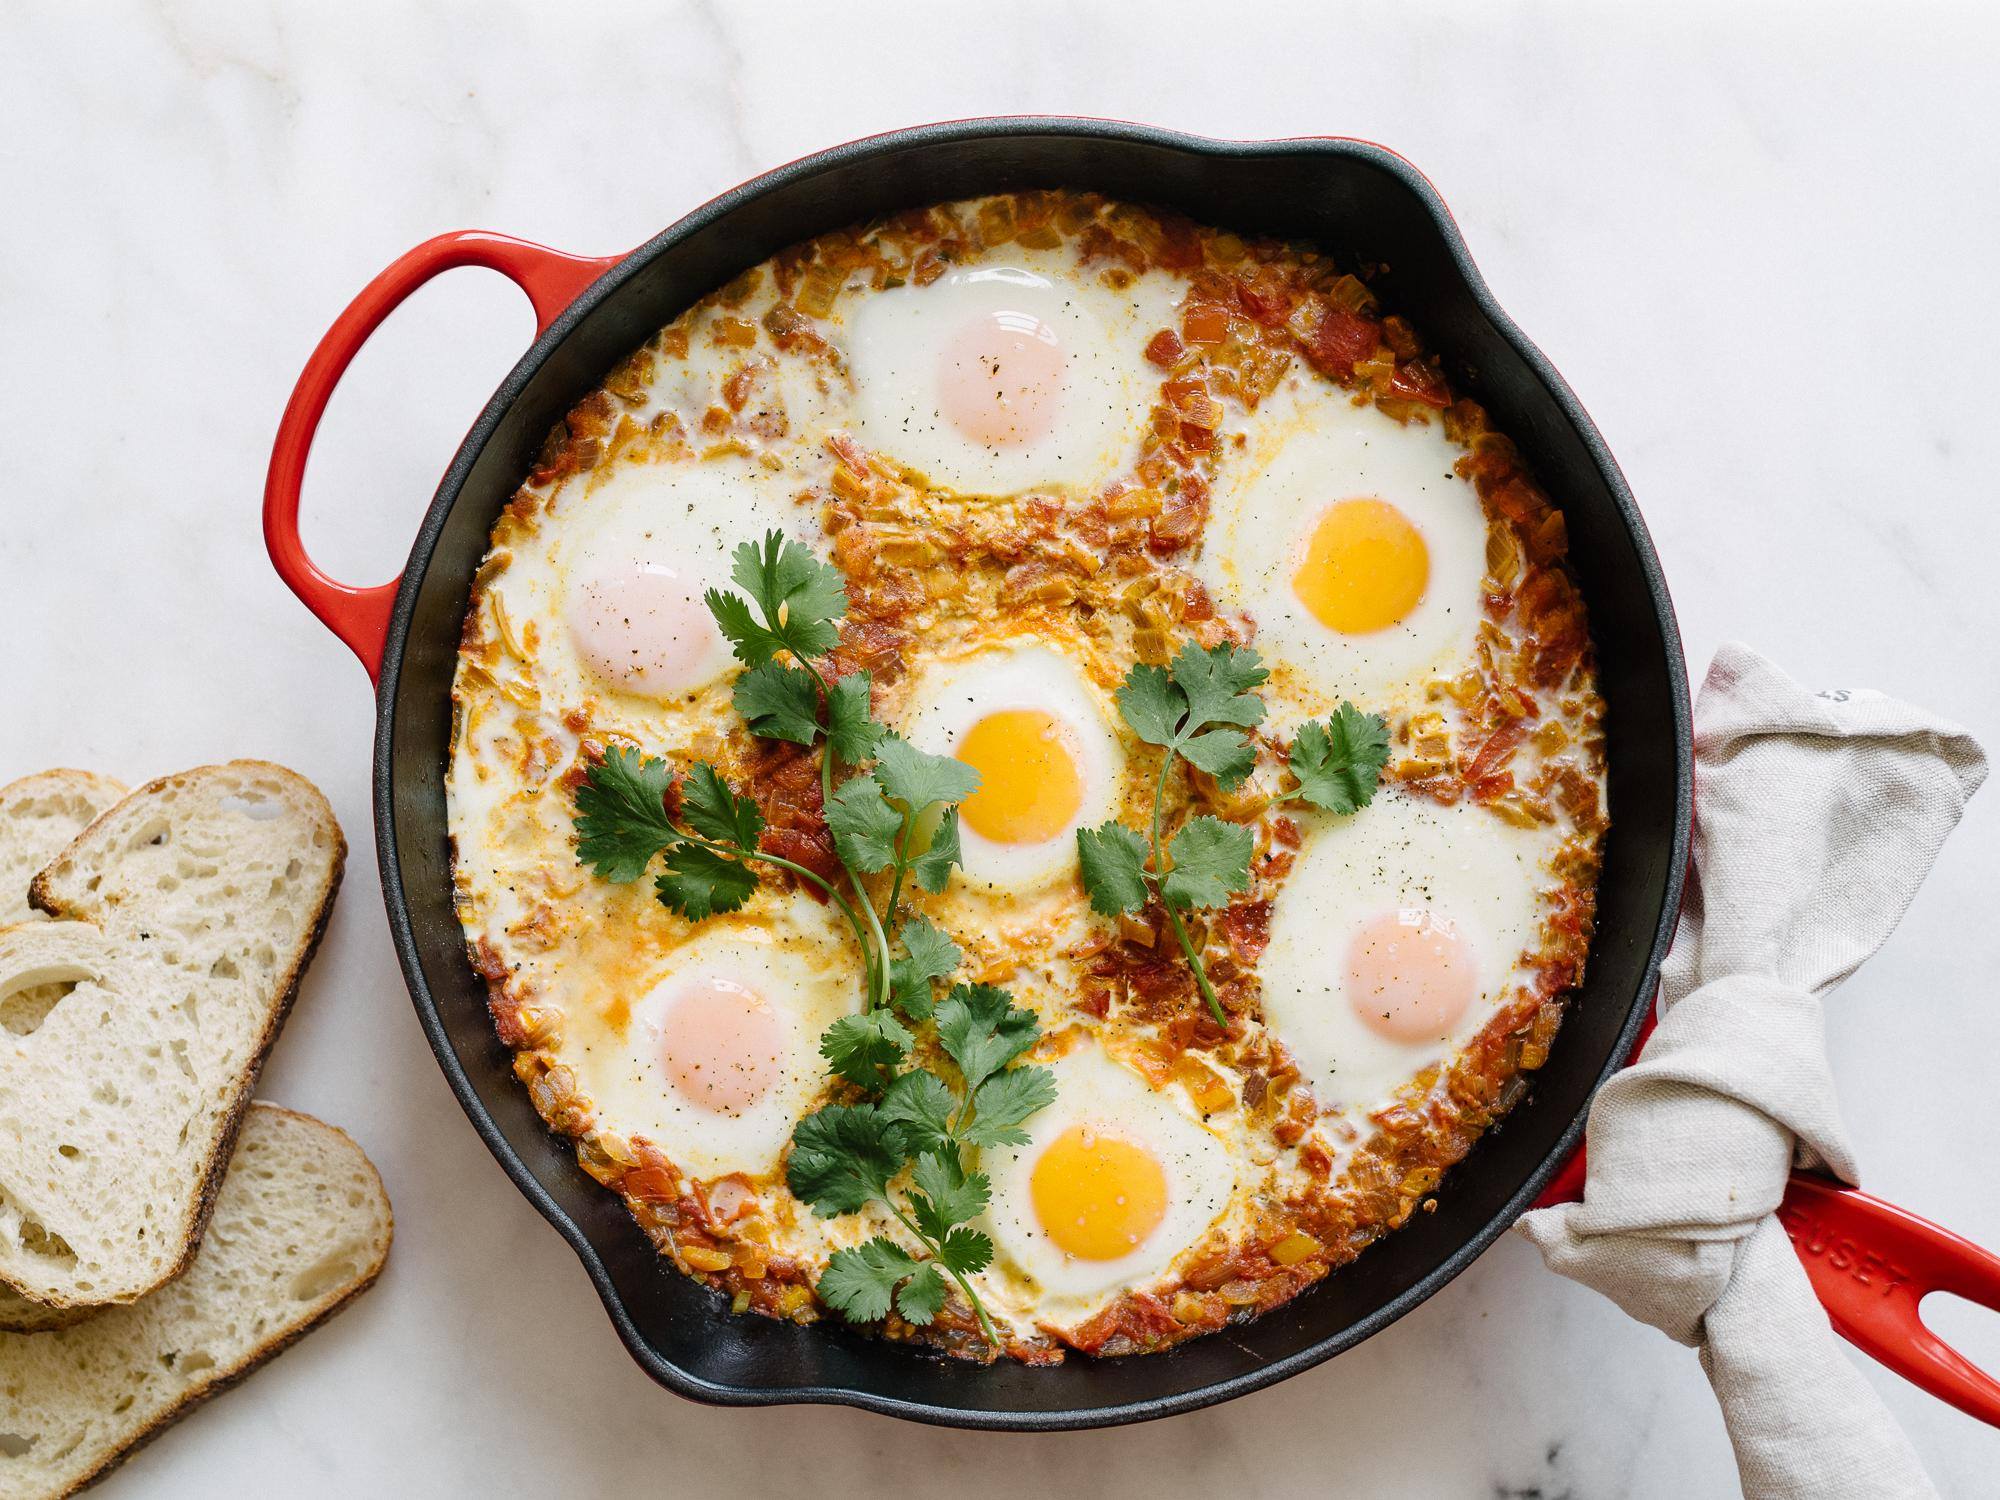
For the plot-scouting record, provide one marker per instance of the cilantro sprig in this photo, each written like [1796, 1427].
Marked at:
[1338, 764]
[917, 1131]
[893, 821]
[1196, 709]
[623, 823]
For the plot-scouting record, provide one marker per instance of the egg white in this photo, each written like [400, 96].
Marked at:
[1096, 1091]
[896, 342]
[1306, 447]
[1459, 863]
[950, 694]
[689, 516]
[802, 968]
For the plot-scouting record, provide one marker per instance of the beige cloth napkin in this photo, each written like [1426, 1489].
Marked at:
[1818, 816]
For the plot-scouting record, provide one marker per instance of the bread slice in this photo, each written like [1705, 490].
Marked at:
[39, 815]
[301, 1227]
[190, 911]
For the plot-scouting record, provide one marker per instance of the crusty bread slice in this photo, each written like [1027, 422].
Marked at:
[301, 1227]
[195, 905]
[39, 815]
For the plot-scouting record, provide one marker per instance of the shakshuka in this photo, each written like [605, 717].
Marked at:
[1044, 437]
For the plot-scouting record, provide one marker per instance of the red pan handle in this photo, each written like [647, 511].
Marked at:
[1871, 1265]
[552, 280]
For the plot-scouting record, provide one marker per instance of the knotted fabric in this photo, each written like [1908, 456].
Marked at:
[1818, 816]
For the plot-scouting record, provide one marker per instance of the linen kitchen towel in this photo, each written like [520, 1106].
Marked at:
[1818, 816]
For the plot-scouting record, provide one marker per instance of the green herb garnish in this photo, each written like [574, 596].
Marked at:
[1196, 709]
[1339, 763]
[895, 820]
[846, 1157]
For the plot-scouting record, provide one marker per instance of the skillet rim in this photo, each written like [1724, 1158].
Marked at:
[383, 778]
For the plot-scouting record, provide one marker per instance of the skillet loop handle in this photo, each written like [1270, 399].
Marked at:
[552, 280]
[1873, 1264]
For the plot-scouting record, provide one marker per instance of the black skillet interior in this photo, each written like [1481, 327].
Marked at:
[1358, 201]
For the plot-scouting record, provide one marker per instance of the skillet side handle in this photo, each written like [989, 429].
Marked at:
[552, 280]
[1873, 1264]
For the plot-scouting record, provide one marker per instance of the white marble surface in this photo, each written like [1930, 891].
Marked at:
[1759, 244]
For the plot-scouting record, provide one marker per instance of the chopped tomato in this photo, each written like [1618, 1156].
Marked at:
[1341, 340]
[1165, 348]
[1414, 381]
[1206, 323]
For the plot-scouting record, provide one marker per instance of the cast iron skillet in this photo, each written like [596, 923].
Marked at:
[1357, 200]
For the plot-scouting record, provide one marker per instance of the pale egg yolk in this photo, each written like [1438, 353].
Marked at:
[643, 626]
[1097, 1196]
[1029, 784]
[1000, 379]
[1363, 568]
[1410, 976]
[722, 1045]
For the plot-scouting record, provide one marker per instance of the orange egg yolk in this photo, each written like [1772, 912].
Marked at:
[1097, 1196]
[1030, 786]
[1363, 568]
[1410, 976]
[643, 625]
[1000, 379]
[722, 1045]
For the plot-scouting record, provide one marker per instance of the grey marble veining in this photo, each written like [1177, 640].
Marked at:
[1759, 242]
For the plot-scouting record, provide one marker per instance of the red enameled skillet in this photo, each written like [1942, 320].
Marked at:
[1871, 1263]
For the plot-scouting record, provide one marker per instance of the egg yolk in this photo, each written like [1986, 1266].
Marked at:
[722, 1045]
[1029, 784]
[643, 626]
[1410, 976]
[1097, 1196]
[1363, 568]
[1000, 379]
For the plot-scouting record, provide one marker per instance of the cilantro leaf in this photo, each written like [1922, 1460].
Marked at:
[1226, 754]
[621, 814]
[1339, 763]
[943, 1193]
[932, 868]
[1217, 684]
[752, 644]
[860, 1047]
[800, 596]
[865, 827]
[909, 776]
[928, 955]
[843, 1157]
[1113, 860]
[1211, 859]
[860, 1281]
[779, 702]
[922, 1295]
[920, 1104]
[1151, 704]
[697, 883]
[966, 1251]
[715, 812]
[982, 1030]
[1004, 1101]
[850, 731]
